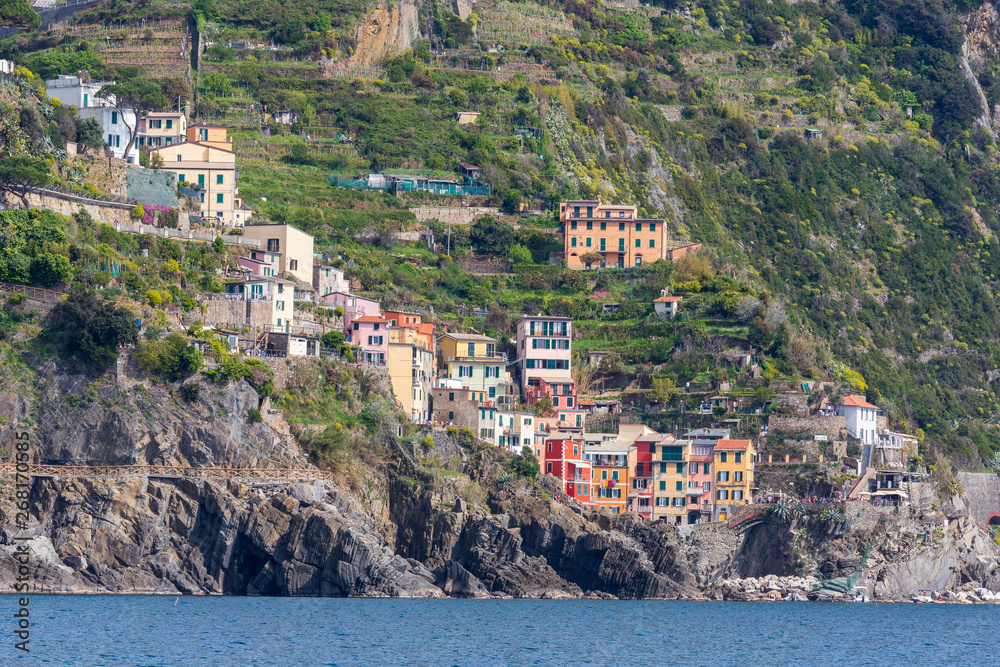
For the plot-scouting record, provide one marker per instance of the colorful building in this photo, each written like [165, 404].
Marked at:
[640, 493]
[411, 371]
[564, 459]
[293, 247]
[614, 231]
[670, 477]
[372, 334]
[162, 128]
[544, 351]
[700, 496]
[473, 359]
[275, 292]
[354, 307]
[734, 467]
[612, 462]
[261, 263]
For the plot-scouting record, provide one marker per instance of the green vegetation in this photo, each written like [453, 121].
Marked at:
[91, 327]
[171, 358]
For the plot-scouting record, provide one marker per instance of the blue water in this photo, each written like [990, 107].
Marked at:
[150, 630]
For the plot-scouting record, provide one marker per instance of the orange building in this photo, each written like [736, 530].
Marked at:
[612, 462]
[615, 231]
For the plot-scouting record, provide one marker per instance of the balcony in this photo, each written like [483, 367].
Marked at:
[495, 357]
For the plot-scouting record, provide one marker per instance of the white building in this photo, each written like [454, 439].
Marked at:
[861, 417]
[72, 91]
[116, 129]
[328, 279]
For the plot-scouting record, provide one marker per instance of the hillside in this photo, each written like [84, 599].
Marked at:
[869, 249]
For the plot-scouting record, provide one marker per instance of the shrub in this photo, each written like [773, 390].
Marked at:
[93, 327]
[171, 358]
[190, 391]
[254, 416]
[138, 212]
[427, 444]
[153, 297]
[48, 269]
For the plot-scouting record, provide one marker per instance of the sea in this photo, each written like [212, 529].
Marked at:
[141, 630]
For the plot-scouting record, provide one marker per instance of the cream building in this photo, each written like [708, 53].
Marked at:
[275, 292]
[295, 246]
[212, 170]
[411, 372]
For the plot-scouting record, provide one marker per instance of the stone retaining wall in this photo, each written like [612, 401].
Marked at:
[982, 494]
[109, 212]
[834, 428]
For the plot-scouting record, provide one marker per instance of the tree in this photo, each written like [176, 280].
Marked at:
[590, 258]
[458, 96]
[492, 236]
[89, 133]
[134, 97]
[175, 88]
[525, 465]
[219, 245]
[665, 389]
[48, 269]
[518, 254]
[93, 327]
[19, 13]
[18, 175]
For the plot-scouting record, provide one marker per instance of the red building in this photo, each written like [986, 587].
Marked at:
[564, 459]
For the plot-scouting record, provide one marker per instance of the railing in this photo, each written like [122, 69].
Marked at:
[37, 293]
[216, 472]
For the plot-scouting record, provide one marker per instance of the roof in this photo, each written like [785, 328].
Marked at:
[224, 127]
[198, 143]
[466, 165]
[668, 299]
[259, 279]
[465, 336]
[544, 317]
[164, 113]
[733, 445]
[370, 318]
[857, 402]
[610, 447]
[327, 266]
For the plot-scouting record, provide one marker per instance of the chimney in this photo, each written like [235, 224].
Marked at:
[663, 292]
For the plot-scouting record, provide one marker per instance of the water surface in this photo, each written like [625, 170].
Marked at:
[150, 630]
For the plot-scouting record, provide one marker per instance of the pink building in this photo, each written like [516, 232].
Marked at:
[354, 307]
[261, 263]
[700, 502]
[372, 334]
[544, 351]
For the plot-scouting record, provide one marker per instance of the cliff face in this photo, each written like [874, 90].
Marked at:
[404, 533]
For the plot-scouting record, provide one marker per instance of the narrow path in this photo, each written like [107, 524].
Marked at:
[167, 472]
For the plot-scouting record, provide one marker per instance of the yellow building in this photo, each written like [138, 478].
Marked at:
[411, 371]
[162, 128]
[210, 170]
[293, 247]
[670, 477]
[210, 135]
[733, 476]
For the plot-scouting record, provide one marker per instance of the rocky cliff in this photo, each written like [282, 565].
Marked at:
[406, 530]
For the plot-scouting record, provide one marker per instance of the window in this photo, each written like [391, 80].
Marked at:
[180, 158]
[114, 117]
[590, 225]
[737, 495]
[738, 476]
[722, 457]
[219, 197]
[723, 494]
[572, 242]
[694, 467]
[85, 96]
[493, 392]
[180, 178]
[621, 226]
[672, 454]
[663, 468]
[638, 243]
[548, 468]
[652, 226]
[572, 225]
[607, 214]
[576, 211]
[169, 141]
[588, 241]
[201, 180]
[638, 226]
[738, 457]
[569, 401]
[679, 486]
[274, 245]
[663, 486]
[555, 401]
[614, 475]
[218, 179]
[280, 305]
[603, 241]
[604, 226]
[451, 415]
[576, 450]
[621, 245]
[723, 475]
[451, 396]
[590, 212]
[652, 243]
[604, 474]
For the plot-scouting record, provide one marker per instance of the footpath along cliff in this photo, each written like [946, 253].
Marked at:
[406, 529]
